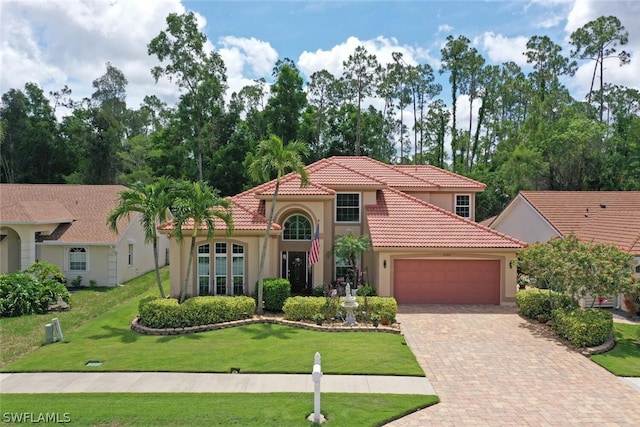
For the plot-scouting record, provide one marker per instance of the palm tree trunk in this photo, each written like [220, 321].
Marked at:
[265, 245]
[183, 293]
[155, 258]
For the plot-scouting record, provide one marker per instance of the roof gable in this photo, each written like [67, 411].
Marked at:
[400, 220]
[84, 207]
[597, 216]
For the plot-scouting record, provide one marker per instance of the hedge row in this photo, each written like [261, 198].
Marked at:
[305, 308]
[583, 327]
[536, 304]
[161, 313]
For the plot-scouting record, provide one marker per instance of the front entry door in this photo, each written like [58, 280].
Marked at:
[297, 271]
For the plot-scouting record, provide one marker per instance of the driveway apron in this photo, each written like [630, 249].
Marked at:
[489, 366]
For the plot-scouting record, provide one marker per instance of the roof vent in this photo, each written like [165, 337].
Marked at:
[602, 205]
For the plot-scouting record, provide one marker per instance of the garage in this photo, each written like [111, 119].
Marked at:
[419, 281]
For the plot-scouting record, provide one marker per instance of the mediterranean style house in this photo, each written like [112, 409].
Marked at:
[426, 245]
[66, 225]
[593, 216]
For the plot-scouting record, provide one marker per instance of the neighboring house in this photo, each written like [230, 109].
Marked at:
[66, 225]
[593, 216]
[426, 246]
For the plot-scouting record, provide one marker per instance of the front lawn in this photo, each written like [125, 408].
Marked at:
[257, 348]
[21, 335]
[624, 359]
[220, 409]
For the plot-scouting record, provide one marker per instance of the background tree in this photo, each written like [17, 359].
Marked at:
[273, 156]
[152, 202]
[201, 77]
[197, 206]
[360, 76]
[597, 41]
[288, 100]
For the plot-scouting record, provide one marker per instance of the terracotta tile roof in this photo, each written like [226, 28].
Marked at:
[243, 220]
[290, 186]
[598, 216]
[334, 174]
[381, 171]
[400, 220]
[85, 207]
[440, 177]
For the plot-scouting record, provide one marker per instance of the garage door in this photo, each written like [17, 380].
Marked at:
[446, 281]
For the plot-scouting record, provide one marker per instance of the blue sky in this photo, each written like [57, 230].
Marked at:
[58, 42]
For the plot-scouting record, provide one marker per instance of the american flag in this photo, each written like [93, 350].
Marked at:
[314, 253]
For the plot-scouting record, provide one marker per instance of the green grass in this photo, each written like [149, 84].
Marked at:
[623, 359]
[21, 335]
[220, 409]
[257, 348]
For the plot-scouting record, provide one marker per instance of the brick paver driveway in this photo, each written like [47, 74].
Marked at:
[491, 367]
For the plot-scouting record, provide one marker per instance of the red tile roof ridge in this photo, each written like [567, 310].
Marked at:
[350, 169]
[441, 170]
[382, 164]
[455, 216]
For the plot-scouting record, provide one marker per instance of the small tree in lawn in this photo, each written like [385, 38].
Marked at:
[152, 201]
[273, 156]
[350, 247]
[197, 206]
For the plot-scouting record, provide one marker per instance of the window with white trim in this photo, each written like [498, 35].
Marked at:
[221, 268]
[463, 205]
[238, 269]
[77, 259]
[343, 269]
[297, 227]
[348, 207]
[130, 255]
[204, 271]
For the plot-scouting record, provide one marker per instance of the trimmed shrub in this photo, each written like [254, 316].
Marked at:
[304, 308]
[22, 293]
[367, 290]
[583, 327]
[536, 304]
[274, 293]
[163, 313]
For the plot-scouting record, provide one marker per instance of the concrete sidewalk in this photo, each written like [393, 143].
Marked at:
[174, 382]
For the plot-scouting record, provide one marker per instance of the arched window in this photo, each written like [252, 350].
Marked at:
[297, 227]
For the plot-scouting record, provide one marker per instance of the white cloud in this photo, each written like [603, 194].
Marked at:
[62, 42]
[627, 12]
[444, 28]
[381, 47]
[503, 49]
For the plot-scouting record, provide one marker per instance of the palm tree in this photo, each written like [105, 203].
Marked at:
[347, 246]
[199, 202]
[273, 156]
[152, 201]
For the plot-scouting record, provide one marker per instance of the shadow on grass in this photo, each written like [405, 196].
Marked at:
[126, 335]
[169, 338]
[268, 330]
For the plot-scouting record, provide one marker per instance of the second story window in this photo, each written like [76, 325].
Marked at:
[348, 207]
[463, 205]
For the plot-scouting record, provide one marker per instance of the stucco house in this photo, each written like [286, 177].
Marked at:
[66, 225]
[593, 216]
[426, 246]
